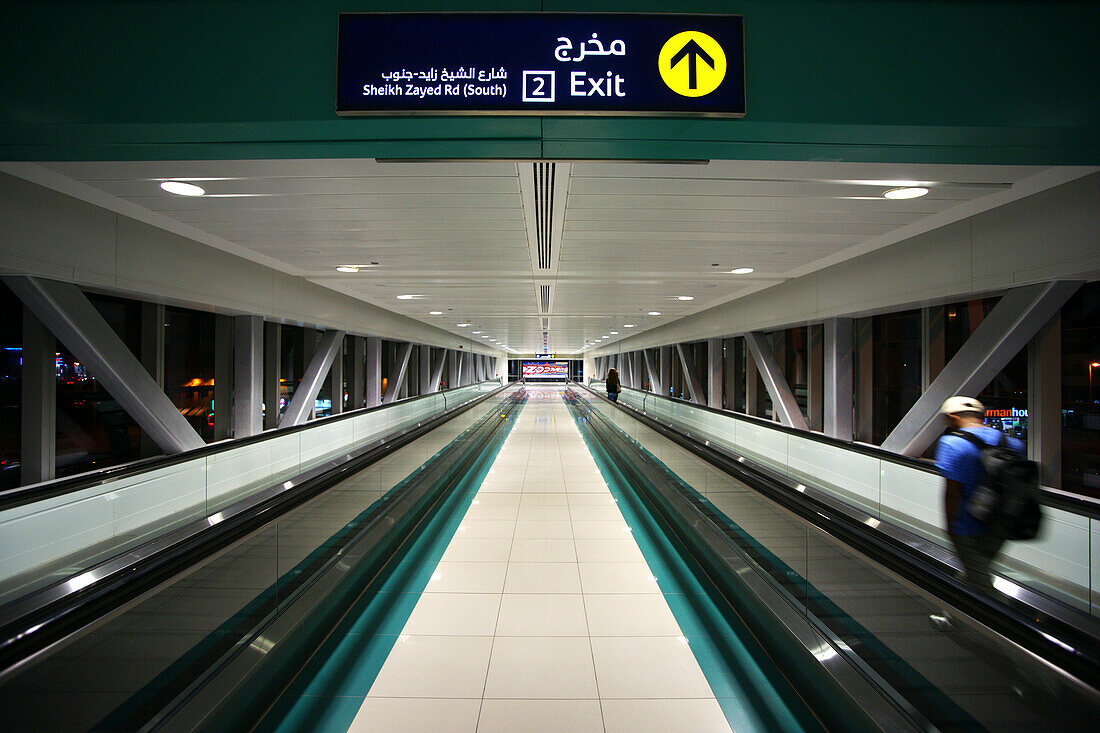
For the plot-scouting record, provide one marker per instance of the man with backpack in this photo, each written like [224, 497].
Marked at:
[991, 492]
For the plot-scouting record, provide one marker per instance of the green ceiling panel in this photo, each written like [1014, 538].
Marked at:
[971, 81]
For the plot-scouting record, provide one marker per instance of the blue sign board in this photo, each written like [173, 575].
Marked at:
[540, 64]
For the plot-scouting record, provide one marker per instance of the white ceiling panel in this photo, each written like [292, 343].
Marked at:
[617, 240]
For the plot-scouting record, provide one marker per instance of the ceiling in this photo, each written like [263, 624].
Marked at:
[577, 251]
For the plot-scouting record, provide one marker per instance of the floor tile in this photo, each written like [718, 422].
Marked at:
[541, 667]
[449, 614]
[617, 577]
[542, 577]
[543, 550]
[647, 667]
[603, 512]
[601, 530]
[540, 716]
[485, 529]
[489, 550]
[434, 666]
[629, 614]
[542, 614]
[405, 715]
[661, 716]
[608, 550]
[491, 513]
[543, 529]
[468, 577]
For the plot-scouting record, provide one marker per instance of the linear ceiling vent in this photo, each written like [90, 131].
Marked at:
[544, 208]
[545, 325]
[544, 298]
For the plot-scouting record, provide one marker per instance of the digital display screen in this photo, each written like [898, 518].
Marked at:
[545, 370]
[540, 64]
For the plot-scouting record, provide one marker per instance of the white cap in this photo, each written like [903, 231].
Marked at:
[958, 403]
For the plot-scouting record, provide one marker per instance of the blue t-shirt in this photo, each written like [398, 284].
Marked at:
[960, 460]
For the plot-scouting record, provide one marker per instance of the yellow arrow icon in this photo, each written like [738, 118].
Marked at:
[692, 64]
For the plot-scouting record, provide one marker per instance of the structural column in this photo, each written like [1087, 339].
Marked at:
[424, 370]
[453, 363]
[864, 391]
[1044, 402]
[932, 346]
[714, 373]
[838, 376]
[374, 371]
[815, 377]
[273, 358]
[223, 376]
[336, 380]
[38, 449]
[358, 372]
[666, 370]
[248, 360]
[152, 358]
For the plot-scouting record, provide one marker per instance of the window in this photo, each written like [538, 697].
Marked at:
[1081, 392]
[897, 369]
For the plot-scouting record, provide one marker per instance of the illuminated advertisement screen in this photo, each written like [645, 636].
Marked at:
[545, 370]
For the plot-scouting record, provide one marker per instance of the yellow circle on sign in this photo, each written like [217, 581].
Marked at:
[692, 64]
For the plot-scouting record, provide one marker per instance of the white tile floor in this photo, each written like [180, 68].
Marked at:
[542, 614]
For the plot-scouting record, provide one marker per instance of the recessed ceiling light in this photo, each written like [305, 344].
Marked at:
[475, 332]
[463, 325]
[905, 193]
[182, 189]
[628, 325]
[655, 313]
[409, 297]
[435, 313]
[614, 333]
[741, 271]
[348, 268]
[685, 297]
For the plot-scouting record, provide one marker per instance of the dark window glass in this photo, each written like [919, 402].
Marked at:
[1081, 392]
[93, 431]
[897, 369]
[11, 386]
[189, 367]
[292, 364]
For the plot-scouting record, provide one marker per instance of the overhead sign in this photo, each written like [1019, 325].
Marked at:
[546, 369]
[544, 356]
[540, 64]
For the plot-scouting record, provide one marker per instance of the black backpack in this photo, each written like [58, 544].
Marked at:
[1007, 499]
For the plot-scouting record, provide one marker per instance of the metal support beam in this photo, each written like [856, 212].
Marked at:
[783, 402]
[38, 421]
[305, 397]
[358, 373]
[75, 322]
[152, 358]
[397, 375]
[815, 381]
[1044, 401]
[248, 367]
[336, 380]
[691, 376]
[838, 377]
[223, 376]
[714, 373]
[1005, 331]
[374, 371]
[436, 371]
